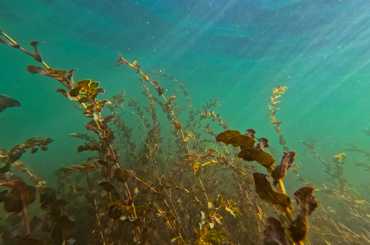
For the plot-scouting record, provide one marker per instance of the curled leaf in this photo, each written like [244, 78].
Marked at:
[286, 162]
[267, 193]
[305, 198]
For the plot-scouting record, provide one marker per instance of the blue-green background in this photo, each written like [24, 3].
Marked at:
[234, 50]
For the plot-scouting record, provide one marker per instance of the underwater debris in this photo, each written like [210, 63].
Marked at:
[7, 102]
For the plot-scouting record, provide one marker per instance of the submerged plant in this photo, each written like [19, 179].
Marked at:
[277, 93]
[250, 151]
[182, 188]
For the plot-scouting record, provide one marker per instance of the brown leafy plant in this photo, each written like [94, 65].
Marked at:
[277, 230]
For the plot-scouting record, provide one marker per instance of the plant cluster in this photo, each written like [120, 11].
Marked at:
[186, 187]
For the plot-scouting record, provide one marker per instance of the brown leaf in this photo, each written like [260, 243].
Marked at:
[36, 55]
[63, 76]
[34, 69]
[305, 198]
[7, 102]
[298, 228]
[286, 162]
[234, 138]
[258, 155]
[267, 193]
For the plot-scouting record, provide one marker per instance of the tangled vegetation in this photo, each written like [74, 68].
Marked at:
[187, 187]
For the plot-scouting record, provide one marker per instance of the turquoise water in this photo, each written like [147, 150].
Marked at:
[236, 51]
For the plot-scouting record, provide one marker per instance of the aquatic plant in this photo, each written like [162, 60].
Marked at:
[182, 188]
[252, 151]
[273, 106]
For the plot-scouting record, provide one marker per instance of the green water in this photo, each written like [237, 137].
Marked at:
[236, 51]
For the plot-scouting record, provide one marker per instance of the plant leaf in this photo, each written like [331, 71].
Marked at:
[258, 155]
[7, 102]
[298, 228]
[267, 193]
[286, 162]
[234, 138]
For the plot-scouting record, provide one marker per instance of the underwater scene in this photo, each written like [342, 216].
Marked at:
[206, 122]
